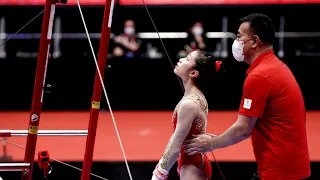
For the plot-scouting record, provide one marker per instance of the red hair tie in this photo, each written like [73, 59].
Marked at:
[218, 65]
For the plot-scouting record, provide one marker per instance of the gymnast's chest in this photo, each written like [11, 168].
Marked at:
[198, 125]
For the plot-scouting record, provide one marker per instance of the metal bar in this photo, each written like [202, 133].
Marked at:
[37, 96]
[5, 165]
[5, 157]
[22, 36]
[7, 170]
[14, 166]
[163, 35]
[97, 89]
[281, 38]
[224, 41]
[3, 53]
[153, 35]
[9, 133]
[57, 40]
[297, 34]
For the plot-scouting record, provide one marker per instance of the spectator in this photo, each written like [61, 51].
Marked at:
[196, 40]
[127, 44]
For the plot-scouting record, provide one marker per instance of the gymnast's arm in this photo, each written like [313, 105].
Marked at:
[186, 115]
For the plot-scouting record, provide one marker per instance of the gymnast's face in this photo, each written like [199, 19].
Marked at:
[184, 68]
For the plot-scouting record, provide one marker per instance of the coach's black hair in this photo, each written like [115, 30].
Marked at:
[262, 26]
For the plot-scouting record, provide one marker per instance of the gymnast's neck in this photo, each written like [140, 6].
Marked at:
[190, 88]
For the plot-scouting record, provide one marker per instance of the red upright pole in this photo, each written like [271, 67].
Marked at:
[97, 90]
[38, 86]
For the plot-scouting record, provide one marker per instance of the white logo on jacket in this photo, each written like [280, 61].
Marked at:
[247, 103]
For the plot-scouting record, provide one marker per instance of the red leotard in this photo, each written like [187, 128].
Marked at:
[201, 161]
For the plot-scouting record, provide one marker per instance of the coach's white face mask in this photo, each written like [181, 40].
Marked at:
[237, 50]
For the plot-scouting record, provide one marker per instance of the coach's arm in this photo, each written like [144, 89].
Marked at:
[239, 131]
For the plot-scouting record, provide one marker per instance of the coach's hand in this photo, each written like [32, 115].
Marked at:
[200, 144]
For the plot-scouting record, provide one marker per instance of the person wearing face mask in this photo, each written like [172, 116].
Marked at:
[127, 44]
[272, 109]
[196, 40]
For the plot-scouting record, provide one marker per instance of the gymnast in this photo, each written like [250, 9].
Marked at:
[189, 118]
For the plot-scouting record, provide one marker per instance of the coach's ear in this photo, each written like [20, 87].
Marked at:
[256, 41]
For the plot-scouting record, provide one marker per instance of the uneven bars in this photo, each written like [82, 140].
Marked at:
[14, 166]
[37, 97]
[97, 90]
[10, 133]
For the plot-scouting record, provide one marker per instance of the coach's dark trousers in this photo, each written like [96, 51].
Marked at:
[256, 177]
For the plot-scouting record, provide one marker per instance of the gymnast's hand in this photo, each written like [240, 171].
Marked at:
[160, 174]
[200, 144]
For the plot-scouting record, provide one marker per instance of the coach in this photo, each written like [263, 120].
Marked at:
[272, 109]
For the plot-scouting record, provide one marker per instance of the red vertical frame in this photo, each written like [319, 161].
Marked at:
[97, 90]
[37, 96]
